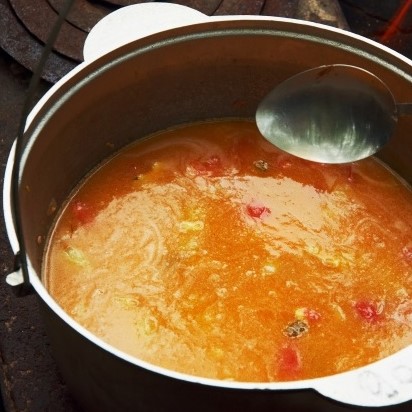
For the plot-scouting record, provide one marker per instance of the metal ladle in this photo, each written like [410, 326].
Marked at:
[330, 114]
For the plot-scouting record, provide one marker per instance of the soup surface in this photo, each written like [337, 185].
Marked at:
[208, 251]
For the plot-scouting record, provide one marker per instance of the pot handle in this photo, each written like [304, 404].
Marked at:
[116, 29]
[134, 22]
[382, 383]
[19, 279]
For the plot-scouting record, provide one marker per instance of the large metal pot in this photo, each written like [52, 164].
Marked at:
[218, 68]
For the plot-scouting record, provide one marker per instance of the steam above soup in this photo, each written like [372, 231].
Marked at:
[208, 251]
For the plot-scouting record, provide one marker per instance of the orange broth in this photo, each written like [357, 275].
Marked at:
[208, 251]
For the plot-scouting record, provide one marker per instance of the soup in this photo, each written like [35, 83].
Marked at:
[208, 251]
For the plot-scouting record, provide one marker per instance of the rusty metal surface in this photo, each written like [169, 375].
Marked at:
[27, 50]
[321, 11]
[207, 7]
[83, 14]
[122, 3]
[240, 7]
[280, 8]
[39, 16]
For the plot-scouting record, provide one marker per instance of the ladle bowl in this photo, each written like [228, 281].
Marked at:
[330, 114]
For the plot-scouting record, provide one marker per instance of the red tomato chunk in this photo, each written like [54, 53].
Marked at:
[290, 361]
[257, 210]
[369, 311]
[82, 212]
[210, 166]
[407, 253]
[312, 315]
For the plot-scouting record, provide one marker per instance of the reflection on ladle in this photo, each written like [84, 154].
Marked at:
[330, 114]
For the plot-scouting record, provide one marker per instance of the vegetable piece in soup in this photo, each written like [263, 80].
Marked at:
[208, 251]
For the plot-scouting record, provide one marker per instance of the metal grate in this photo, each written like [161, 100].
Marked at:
[25, 24]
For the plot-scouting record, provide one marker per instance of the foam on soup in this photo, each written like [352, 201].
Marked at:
[208, 251]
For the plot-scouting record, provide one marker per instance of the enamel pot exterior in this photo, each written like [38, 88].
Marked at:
[212, 70]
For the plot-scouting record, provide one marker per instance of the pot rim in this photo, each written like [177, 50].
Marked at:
[360, 382]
